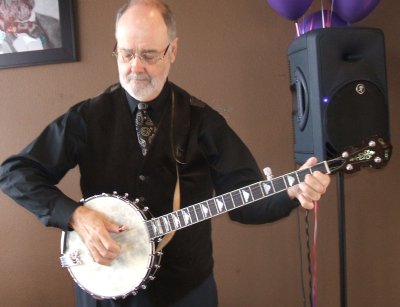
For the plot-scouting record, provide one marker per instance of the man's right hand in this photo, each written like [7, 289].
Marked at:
[94, 230]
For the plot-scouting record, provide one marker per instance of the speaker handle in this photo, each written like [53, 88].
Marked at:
[302, 99]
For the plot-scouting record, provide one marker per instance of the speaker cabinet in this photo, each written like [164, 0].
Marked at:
[339, 89]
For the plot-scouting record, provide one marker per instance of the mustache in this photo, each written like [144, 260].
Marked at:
[138, 76]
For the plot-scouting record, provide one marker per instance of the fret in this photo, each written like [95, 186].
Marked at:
[302, 174]
[173, 221]
[290, 180]
[151, 228]
[186, 217]
[192, 213]
[297, 176]
[246, 194]
[170, 221]
[199, 212]
[213, 207]
[228, 201]
[256, 191]
[181, 218]
[220, 204]
[165, 223]
[284, 182]
[177, 221]
[321, 167]
[278, 184]
[327, 169]
[158, 225]
[237, 199]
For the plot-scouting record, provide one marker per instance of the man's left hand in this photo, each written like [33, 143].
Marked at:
[313, 187]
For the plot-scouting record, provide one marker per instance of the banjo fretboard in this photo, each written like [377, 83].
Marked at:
[207, 209]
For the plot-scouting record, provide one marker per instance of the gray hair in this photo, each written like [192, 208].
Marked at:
[161, 6]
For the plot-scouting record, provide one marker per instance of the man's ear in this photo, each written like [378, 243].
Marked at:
[174, 49]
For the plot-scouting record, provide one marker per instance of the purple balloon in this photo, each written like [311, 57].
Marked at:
[314, 21]
[354, 10]
[290, 9]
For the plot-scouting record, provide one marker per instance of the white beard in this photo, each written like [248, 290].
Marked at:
[144, 88]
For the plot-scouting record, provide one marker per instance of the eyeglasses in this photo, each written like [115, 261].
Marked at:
[146, 57]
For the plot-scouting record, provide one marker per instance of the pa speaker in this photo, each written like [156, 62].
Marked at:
[339, 89]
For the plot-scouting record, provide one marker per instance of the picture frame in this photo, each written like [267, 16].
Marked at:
[57, 42]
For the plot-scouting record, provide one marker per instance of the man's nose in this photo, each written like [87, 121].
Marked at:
[136, 63]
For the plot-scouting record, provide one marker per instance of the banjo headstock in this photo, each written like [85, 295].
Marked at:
[375, 152]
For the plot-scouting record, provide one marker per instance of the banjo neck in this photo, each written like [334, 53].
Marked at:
[218, 205]
[375, 152]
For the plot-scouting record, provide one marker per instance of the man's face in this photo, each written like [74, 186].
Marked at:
[141, 30]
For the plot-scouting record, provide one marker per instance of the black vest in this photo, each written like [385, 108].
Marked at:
[112, 161]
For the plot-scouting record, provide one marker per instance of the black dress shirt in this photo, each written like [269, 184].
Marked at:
[31, 177]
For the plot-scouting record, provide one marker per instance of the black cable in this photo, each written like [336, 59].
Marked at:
[342, 240]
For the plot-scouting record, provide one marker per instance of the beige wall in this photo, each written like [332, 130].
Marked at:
[233, 55]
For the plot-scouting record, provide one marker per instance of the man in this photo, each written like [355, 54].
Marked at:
[193, 145]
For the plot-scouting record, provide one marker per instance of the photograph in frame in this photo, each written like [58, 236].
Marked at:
[36, 32]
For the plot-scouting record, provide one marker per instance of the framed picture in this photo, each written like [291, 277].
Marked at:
[36, 32]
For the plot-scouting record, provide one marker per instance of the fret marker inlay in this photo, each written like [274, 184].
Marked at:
[176, 221]
[205, 210]
[167, 226]
[267, 188]
[186, 217]
[291, 180]
[220, 205]
[246, 196]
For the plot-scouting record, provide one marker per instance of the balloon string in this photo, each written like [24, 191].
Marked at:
[330, 12]
[297, 28]
[322, 14]
[314, 257]
[311, 24]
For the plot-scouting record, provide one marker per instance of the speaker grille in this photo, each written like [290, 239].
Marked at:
[356, 112]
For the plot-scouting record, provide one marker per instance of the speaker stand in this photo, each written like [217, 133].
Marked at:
[342, 240]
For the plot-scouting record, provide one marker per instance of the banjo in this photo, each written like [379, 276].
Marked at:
[139, 259]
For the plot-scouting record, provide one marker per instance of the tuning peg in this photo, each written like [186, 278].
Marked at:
[268, 173]
[349, 167]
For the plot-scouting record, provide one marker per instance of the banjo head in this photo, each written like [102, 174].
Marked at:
[134, 266]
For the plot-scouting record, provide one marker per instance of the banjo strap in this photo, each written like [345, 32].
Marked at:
[176, 206]
[176, 139]
[180, 125]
